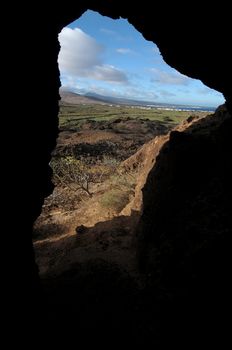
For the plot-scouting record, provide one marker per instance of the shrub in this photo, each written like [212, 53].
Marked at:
[115, 199]
[73, 173]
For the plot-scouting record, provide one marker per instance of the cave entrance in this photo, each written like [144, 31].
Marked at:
[117, 94]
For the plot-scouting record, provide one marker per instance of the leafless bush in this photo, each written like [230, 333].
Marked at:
[76, 174]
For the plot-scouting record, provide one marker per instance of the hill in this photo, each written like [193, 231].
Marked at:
[68, 97]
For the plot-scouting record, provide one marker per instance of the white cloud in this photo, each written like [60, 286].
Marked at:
[108, 73]
[169, 78]
[81, 56]
[134, 93]
[124, 51]
[78, 51]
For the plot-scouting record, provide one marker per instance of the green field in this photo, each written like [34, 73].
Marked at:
[73, 115]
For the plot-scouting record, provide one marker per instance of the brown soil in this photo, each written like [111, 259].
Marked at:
[78, 229]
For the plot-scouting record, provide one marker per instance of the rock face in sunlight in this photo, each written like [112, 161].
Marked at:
[181, 288]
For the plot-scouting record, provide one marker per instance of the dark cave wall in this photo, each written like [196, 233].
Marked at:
[187, 202]
[203, 54]
[195, 41]
[184, 234]
[34, 119]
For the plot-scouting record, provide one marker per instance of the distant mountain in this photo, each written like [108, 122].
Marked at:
[130, 102]
[76, 99]
[93, 98]
[115, 100]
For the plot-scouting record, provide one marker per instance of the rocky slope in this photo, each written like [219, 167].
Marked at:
[182, 237]
[95, 223]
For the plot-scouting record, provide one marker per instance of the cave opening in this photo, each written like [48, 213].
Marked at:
[117, 95]
[186, 243]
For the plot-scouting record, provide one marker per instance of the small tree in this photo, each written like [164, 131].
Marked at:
[73, 173]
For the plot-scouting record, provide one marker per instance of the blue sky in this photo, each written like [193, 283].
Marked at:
[110, 57]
